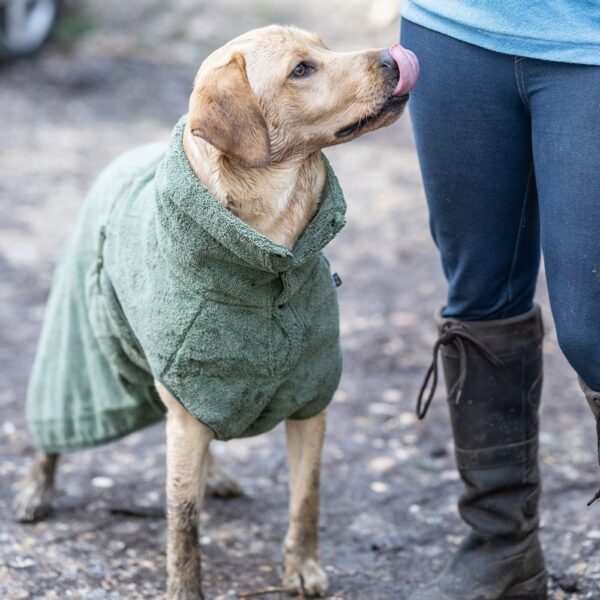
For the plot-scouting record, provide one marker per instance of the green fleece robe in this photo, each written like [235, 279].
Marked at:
[160, 281]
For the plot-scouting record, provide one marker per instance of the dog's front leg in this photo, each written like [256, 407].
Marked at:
[187, 462]
[301, 545]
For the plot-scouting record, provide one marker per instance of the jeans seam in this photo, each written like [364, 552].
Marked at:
[522, 91]
[518, 239]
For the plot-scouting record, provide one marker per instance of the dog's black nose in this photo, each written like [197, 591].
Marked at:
[386, 62]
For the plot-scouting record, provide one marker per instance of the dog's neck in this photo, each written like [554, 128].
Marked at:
[278, 201]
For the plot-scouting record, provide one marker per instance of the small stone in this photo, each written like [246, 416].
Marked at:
[392, 395]
[567, 583]
[381, 464]
[404, 319]
[340, 396]
[449, 475]
[407, 418]
[402, 454]
[381, 408]
[438, 452]
[409, 439]
[102, 482]
[8, 428]
[379, 487]
[116, 545]
[21, 563]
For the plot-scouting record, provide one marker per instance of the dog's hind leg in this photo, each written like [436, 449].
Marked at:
[187, 466]
[32, 502]
[219, 483]
[301, 545]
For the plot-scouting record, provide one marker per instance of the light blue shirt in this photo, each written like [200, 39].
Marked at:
[558, 30]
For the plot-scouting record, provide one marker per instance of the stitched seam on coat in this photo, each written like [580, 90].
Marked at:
[180, 344]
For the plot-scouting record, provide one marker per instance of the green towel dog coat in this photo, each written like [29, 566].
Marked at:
[160, 281]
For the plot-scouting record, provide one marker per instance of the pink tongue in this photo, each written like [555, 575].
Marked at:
[408, 65]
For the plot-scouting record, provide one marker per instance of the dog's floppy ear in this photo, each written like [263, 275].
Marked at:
[224, 111]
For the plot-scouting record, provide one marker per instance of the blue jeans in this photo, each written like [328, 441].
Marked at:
[509, 149]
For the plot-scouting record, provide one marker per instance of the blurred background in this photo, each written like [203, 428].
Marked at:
[115, 74]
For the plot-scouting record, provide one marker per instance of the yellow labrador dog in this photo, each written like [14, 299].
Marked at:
[262, 108]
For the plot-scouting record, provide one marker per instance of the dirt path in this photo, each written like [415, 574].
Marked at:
[389, 485]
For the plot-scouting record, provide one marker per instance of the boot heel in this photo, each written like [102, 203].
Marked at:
[532, 589]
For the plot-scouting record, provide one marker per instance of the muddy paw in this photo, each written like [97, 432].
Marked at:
[180, 590]
[185, 593]
[307, 575]
[221, 485]
[32, 504]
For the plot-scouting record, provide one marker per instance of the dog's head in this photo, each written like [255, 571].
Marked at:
[277, 93]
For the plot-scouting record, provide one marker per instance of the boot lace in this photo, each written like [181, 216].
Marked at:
[454, 334]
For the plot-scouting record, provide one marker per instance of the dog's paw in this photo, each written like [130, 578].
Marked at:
[306, 575]
[32, 503]
[221, 485]
[180, 590]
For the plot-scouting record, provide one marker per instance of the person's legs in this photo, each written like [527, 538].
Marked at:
[472, 133]
[472, 130]
[564, 100]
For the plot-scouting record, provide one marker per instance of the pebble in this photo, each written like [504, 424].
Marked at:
[392, 395]
[21, 563]
[8, 428]
[381, 464]
[103, 482]
[379, 487]
[380, 408]
[450, 475]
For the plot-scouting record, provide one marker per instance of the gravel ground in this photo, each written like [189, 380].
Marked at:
[118, 75]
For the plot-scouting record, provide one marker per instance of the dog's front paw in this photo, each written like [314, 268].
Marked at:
[32, 503]
[178, 589]
[307, 575]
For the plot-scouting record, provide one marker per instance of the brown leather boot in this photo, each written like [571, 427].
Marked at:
[493, 372]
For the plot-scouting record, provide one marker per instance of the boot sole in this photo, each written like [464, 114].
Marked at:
[532, 589]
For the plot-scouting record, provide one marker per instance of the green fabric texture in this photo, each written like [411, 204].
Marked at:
[160, 281]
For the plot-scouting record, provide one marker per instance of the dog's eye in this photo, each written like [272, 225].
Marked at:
[301, 70]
